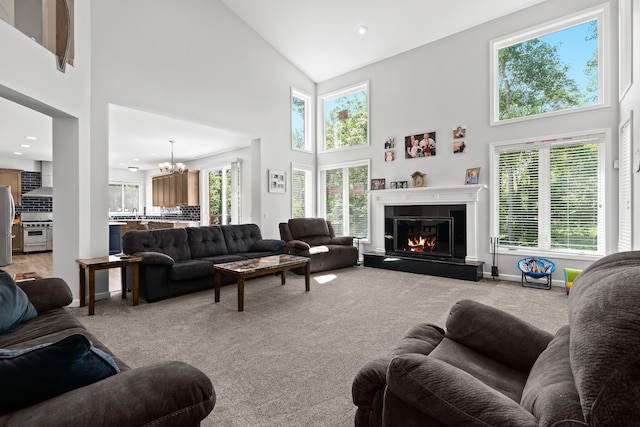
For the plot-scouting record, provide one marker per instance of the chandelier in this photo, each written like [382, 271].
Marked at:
[170, 166]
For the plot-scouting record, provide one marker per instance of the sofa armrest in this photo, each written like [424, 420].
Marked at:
[164, 394]
[47, 294]
[449, 395]
[342, 240]
[496, 334]
[367, 391]
[157, 258]
[268, 245]
[298, 245]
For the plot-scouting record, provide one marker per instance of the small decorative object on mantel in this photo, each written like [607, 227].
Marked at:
[277, 181]
[378, 184]
[395, 185]
[418, 179]
[473, 174]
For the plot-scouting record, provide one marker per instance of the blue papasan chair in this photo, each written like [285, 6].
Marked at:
[536, 268]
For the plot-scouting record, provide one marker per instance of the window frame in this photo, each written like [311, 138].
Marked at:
[322, 186]
[122, 184]
[322, 101]
[308, 146]
[602, 137]
[601, 13]
[308, 199]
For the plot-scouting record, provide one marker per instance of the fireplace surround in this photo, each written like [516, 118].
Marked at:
[446, 214]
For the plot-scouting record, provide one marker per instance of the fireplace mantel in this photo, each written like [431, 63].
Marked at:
[468, 195]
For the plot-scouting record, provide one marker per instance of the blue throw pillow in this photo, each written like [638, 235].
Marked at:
[15, 306]
[39, 373]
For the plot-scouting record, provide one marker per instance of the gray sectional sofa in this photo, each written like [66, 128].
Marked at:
[180, 260]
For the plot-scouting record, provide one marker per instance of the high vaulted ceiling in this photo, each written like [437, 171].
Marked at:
[318, 36]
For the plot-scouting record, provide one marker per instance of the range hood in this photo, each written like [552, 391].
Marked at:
[46, 190]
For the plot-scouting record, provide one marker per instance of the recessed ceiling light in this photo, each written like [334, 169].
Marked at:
[17, 153]
[25, 146]
[362, 30]
[136, 160]
[33, 138]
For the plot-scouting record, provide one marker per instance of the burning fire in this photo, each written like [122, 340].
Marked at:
[420, 243]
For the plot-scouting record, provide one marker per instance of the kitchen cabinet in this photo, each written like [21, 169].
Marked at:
[12, 178]
[16, 242]
[176, 189]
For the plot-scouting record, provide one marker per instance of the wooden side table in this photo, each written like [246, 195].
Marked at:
[102, 263]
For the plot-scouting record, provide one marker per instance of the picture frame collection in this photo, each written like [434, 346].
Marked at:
[423, 145]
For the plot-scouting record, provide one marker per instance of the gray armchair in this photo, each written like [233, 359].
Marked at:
[491, 368]
[315, 238]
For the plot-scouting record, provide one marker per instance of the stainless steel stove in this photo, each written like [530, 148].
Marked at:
[37, 229]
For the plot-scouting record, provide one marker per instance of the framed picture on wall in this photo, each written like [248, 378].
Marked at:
[277, 181]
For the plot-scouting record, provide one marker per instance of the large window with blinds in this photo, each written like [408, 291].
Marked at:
[345, 201]
[301, 191]
[124, 197]
[549, 194]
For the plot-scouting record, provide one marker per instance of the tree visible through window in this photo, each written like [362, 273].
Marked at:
[549, 195]
[346, 200]
[558, 70]
[300, 120]
[346, 118]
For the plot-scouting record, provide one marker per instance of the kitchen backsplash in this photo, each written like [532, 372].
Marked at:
[31, 181]
[183, 213]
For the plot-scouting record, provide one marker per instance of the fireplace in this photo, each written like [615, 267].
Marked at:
[426, 231]
[423, 236]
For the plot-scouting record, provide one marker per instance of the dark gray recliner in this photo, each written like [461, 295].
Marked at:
[315, 238]
[491, 368]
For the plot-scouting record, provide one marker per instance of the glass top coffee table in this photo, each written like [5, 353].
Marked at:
[255, 267]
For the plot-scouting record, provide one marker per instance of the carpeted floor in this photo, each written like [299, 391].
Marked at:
[290, 357]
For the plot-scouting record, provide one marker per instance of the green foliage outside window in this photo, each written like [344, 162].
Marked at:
[536, 77]
[124, 197]
[346, 120]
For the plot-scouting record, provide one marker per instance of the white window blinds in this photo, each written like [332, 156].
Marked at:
[550, 194]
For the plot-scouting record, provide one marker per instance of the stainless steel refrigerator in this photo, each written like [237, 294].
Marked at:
[7, 213]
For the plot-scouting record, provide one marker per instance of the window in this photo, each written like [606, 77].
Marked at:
[124, 197]
[550, 69]
[549, 194]
[345, 201]
[224, 200]
[345, 117]
[300, 135]
[301, 181]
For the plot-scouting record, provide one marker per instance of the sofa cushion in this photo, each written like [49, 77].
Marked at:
[500, 377]
[47, 370]
[314, 231]
[170, 241]
[451, 395]
[15, 307]
[206, 241]
[605, 338]
[240, 238]
[190, 269]
[550, 392]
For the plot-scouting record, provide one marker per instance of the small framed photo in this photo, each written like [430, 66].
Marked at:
[390, 143]
[378, 184]
[389, 156]
[459, 132]
[403, 184]
[472, 176]
[277, 181]
[393, 185]
[459, 146]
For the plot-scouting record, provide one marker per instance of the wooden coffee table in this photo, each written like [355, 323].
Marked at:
[244, 269]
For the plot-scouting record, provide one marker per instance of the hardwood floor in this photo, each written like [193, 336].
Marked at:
[42, 263]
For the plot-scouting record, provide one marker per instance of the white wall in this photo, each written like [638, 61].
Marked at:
[197, 61]
[444, 84]
[29, 76]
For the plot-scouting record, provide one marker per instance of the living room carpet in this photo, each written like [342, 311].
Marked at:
[290, 357]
